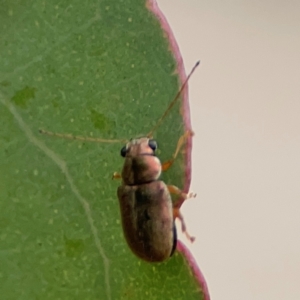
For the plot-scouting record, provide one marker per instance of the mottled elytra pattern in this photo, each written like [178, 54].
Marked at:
[147, 220]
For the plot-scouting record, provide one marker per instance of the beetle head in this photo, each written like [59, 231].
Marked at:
[139, 146]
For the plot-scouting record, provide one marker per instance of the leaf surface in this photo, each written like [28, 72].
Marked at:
[94, 68]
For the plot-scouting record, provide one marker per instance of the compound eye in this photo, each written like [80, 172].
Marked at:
[152, 144]
[124, 151]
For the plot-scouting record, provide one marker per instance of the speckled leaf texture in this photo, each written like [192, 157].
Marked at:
[91, 68]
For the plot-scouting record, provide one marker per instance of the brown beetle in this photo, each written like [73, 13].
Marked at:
[145, 202]
[147, 211]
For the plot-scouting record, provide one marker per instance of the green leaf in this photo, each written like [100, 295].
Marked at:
[94, 68]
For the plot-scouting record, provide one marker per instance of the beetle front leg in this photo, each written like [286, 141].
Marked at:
[166, 165]
[176, 207]
[116, 175]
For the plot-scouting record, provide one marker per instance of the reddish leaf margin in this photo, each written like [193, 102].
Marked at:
[174, 48]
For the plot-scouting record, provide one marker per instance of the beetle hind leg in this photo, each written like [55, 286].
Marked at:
[177, 214]
[176, 207]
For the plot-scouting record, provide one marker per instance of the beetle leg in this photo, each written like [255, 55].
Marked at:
[166, 165]
[176, 207]
[116, 175]
[176, 191]
[177, 214]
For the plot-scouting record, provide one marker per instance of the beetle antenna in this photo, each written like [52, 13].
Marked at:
[79, 138]
[174, 100]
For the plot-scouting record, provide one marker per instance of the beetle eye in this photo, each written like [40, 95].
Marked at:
[152, 144]
[124, 151]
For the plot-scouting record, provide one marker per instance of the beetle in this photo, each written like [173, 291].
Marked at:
[147, 211]
[146, 206]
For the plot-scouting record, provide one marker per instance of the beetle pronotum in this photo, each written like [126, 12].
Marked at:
[147, 211]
